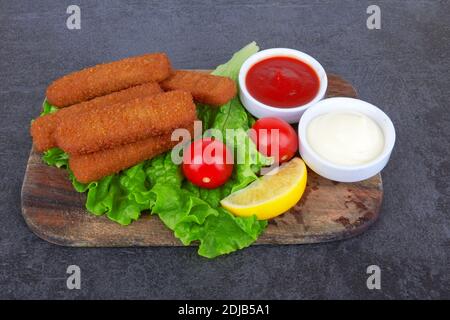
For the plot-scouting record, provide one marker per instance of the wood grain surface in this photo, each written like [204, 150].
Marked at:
[328, 210]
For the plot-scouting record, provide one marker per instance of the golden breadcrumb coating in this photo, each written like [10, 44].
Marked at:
[106, 127]
[42, 128]
[105, 78]
[94, 166]
[205, 88]
[41, 131]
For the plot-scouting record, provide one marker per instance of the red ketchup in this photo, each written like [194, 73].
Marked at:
[282, 82]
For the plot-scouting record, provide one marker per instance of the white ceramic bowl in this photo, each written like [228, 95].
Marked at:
[261, 110]
[337, 172]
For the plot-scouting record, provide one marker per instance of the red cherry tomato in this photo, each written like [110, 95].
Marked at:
[265, 138]
[207, 163]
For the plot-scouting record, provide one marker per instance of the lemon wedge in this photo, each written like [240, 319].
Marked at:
[273, 194]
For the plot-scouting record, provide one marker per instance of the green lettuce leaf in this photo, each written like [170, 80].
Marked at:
[234, 116]
[206, 115]
[122, 197]
[194, 214]
[56, 157]
[225, 233]
[232, 67]
[47, 108]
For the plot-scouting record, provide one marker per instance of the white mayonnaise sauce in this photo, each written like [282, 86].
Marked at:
[345, 138]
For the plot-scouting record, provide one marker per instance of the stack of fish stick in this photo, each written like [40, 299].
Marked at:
[115, 115]
[44, 127]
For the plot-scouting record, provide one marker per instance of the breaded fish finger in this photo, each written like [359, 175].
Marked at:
[105, 78]
[42, 128]
[106, 127]
[205, 88]
[41, 131]
[94, 166]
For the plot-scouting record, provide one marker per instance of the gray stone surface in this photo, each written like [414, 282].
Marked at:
[403, 68]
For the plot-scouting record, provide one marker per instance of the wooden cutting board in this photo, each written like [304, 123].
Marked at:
[328, 210]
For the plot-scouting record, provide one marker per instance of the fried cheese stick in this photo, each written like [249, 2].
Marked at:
[106, 127]
[105, 78]
[205, 88]
[43, 128]
[94, 166]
